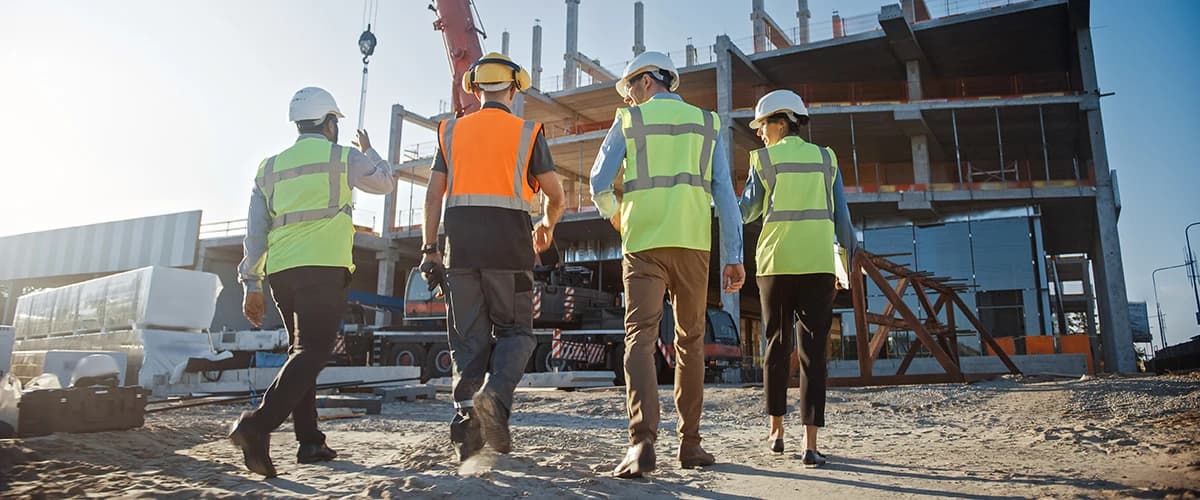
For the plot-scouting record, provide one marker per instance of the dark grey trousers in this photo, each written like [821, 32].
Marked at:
[490, 330]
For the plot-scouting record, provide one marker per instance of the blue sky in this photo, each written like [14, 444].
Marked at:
[125, 109]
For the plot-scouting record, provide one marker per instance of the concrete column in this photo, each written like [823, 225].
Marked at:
[504, 43]
[1116, 336]
[535, 61]
[571, 69]
[639, 29]
[760, 26]
[691, 54]
[385, 283]
[912, 70]
[731, 303]
[8, 314]
[802, 16]
[920, 158]
[910, 10]
[518, 107]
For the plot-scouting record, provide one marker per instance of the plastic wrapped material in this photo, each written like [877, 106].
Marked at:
[10, 399]
[151, 297]
[163, 350]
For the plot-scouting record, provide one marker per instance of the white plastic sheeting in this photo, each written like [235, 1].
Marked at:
[157, 297]
[164, 351]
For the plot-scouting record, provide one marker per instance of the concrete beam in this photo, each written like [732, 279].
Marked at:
[421, 121]
[725, 46]
[900, 35]
[593, 68]
[558, 107]
[594, 135]
[838, 109]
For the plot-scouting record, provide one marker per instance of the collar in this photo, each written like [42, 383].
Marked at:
[312, 136]
[496, 105]
[667, 95]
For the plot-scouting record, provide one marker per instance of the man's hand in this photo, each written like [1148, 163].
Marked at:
[364, 141]
[432, 257]
[543, 236]
[733, 277]
[253, 308]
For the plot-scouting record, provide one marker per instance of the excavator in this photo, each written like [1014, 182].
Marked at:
[577, 325]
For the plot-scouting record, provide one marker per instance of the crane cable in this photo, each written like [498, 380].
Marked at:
[366, 45]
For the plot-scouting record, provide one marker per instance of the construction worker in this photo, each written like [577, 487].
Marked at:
[300, 234]
[795, 188]
[675, 167]
[488, 167]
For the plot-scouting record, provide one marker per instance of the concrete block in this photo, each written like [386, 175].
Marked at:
[372, 404]
[1031, 364]
[409, 393]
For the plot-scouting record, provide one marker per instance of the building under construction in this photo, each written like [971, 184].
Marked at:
[970, 143]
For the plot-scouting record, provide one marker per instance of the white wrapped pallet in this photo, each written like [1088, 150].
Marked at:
[158, 297]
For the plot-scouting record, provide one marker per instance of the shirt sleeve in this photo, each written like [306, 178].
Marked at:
[605, 168]
[843, 228]
[727, 206]
[540, 161]
[753, 198]
[254, 246]
[369, 172]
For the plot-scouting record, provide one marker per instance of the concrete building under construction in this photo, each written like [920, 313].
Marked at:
[970, 143]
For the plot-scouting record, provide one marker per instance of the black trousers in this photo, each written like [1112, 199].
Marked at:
[784, 297]
[312, 301]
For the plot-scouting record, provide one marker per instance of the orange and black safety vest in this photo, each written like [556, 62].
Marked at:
[487, 159]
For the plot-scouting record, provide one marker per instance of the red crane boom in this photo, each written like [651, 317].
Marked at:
[461, 37]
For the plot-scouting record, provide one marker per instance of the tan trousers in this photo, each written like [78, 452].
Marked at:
[648, 276]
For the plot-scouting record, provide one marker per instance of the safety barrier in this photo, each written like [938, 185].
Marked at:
[1047, 344]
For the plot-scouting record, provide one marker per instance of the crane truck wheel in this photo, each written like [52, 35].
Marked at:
[438, 362]
[407, 355]
[541, 356]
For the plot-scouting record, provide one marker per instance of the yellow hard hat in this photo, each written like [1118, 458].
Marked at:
[495, 68]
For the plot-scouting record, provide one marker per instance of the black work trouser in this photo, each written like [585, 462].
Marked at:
[311, 300]
[784, 297]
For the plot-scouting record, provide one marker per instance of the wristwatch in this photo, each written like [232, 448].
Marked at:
[429, 249]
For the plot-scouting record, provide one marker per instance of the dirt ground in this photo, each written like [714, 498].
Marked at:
[1009, 438]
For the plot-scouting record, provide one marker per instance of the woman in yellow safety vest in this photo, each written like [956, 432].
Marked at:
[795, 188]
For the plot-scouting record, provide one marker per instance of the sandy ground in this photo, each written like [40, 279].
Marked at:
[1000, 439]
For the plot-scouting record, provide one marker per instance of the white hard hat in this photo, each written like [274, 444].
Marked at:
[95, 366]
[778, 101]
[312, 103]
[648, 61]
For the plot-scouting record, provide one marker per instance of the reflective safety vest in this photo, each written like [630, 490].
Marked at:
[308, 198]
[798, 229]
[667, 200]
[487, 159]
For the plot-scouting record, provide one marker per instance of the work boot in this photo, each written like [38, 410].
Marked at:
[813, 458]
[464, 434]
[493, 421]
[639, 459]
[312, 453]
[256, 446]
[693, 455]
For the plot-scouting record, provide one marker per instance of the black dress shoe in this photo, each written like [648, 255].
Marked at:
[777, 446]
[639, 459]
[313, 453]
[465, 435]
[256, 447]
[813, 459]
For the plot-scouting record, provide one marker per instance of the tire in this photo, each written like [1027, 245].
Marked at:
[438, 362]
[618, 351]
[540, 356]
[407, 355]
[666, 374]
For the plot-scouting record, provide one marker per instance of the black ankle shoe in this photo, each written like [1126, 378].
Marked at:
[777, 446]
[465, 436]
[255, 446]
[313, 453]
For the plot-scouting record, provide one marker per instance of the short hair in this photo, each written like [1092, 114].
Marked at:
[314, 126]
[661, 76]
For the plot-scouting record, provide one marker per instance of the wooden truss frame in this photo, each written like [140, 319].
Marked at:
[934, 294]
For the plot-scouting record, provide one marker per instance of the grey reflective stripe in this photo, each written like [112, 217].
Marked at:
[487, 200]
[710, 135]
[666, 181]
[770, 174]
[827, 162]
[521, 166]
[447, 145]
[795, 215]
[638, 131]
[335, 176]
[637, 128]
[309, 215]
